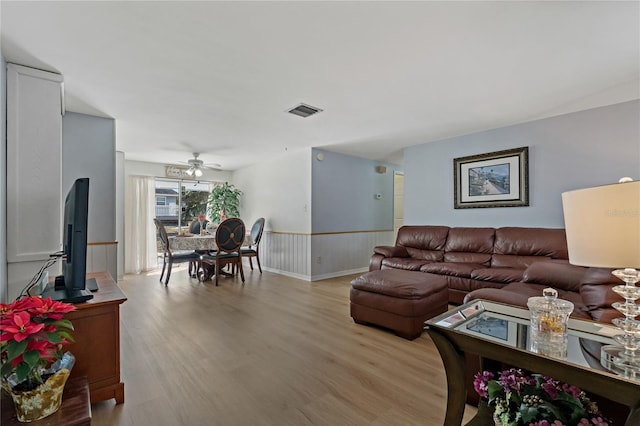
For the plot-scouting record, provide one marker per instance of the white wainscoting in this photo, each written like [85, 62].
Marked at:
[320, 256]
[286, 253]
[102, 257]
[339, 254]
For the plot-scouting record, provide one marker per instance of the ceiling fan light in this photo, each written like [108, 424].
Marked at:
[198, 172]
[189, 172]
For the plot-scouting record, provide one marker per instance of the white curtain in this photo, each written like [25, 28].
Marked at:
[140, 248]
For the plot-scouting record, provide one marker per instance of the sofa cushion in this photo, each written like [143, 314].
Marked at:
[399, 284]
[557, 275]
[406, 263]
[469, 245]
[423, 242]
[499, 275]
[520, 247]
[454, 269]
[597, 294]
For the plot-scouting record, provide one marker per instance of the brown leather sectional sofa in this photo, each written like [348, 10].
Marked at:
[506, 265]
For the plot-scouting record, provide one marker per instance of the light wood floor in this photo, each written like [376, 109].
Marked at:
[274, 351]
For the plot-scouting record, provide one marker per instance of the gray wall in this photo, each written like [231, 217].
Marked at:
[566, 152]
[3, 180]
[88, 150]
[343, 194]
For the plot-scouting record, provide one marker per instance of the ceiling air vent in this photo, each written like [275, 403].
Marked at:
[304, 110]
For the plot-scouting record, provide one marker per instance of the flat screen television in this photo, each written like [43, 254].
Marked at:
[71, 285]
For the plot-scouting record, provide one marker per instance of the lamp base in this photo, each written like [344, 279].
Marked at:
[614, 358]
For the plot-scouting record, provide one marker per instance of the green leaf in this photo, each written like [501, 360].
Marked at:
[494, 389]
[15, 349]
[63, 324]
[22, 371]
[32, 358]
[54, 338]
[528, 413]
[66, 335]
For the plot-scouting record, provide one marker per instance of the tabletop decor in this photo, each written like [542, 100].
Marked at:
[549, 317]
[33, 367]
[535, 400]
[495, 179]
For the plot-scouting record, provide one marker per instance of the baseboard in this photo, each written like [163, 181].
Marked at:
[339, 274]
[288, 274]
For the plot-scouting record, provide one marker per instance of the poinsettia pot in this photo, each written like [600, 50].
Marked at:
[42, 401]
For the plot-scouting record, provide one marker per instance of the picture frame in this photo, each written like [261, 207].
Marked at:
[494, 179]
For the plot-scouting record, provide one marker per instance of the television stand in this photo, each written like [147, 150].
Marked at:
[96, 333]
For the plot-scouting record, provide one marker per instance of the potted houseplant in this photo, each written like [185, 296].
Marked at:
[33, 368]
[535, 400]
[224, 202]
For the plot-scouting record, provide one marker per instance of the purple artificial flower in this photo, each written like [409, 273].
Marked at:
[571, 390]
[551, 387]
[513, 380]
[481, 381]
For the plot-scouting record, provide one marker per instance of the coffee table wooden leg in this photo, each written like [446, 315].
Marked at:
[454, 368]
[634, 416]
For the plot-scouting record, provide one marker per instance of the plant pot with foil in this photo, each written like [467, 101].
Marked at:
[521, 399]
[33, 368]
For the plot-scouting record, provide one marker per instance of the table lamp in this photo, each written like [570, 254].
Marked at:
[603, 230]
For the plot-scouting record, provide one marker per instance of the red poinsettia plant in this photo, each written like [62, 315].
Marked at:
[32, 335]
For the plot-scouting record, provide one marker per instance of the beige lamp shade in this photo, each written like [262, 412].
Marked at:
[603, 225]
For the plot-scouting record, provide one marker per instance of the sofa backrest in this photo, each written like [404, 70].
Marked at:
[470, 245]
[423, 242]
[520, 247]
[508, 247]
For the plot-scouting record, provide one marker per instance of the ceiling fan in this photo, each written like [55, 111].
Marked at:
[196, 166]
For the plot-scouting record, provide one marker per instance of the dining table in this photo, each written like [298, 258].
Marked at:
[201, 243]
[205, 242]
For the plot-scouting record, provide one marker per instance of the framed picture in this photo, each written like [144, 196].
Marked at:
[496, 179]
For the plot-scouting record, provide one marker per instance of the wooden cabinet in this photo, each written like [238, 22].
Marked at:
[97, 340]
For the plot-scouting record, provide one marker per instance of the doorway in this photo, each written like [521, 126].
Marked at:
[398, 202]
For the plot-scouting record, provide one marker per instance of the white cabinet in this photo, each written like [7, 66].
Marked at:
[34, 168]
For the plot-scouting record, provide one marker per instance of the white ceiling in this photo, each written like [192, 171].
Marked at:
[217, 77]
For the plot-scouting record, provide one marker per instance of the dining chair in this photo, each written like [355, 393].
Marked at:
[229, 239]
[169, 258]
[253, 250]
[194, 226]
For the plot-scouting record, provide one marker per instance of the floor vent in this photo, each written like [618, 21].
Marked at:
[304, 110]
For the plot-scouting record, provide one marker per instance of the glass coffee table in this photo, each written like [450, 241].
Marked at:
[500, 333]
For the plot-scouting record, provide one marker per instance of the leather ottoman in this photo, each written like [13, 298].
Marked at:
[397, 299]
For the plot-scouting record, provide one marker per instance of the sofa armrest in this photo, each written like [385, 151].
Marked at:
[375, 263]
[391, 251]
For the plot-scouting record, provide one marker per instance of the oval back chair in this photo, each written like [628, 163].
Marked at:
[169, 258]
[254, 248]
[229, 239]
